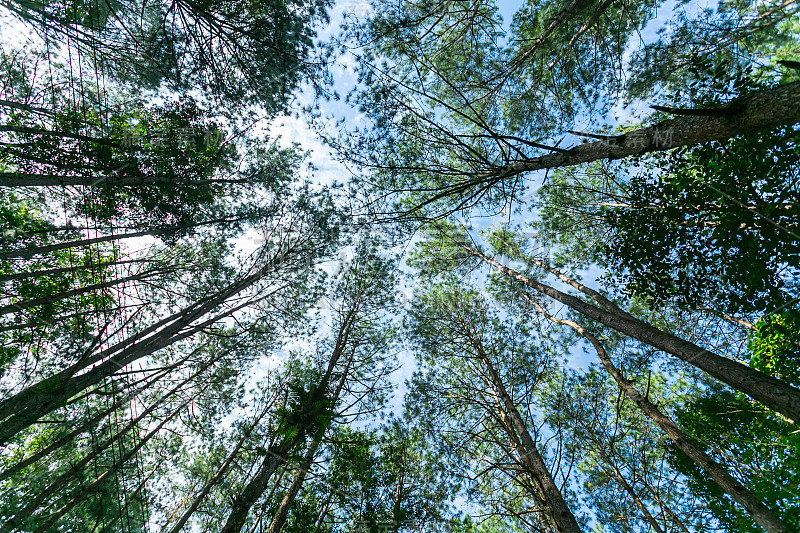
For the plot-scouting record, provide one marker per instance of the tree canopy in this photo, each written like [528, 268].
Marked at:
[551, 288]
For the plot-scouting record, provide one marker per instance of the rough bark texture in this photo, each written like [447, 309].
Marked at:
[255, 488]
[765, 109]
[275, 455]
[216, 478]
[557, 508]
[279, 519]
[772, 392]
[760, 512]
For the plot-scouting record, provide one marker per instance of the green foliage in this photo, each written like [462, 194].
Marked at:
[775, 346]
[454, 100]
[56, 322]
[457, 100]
[113, 500]
[441, 250]
[760, 446]
[307, 406]
[382, 478]
[713, 225]
[707, 54]
[236, 53]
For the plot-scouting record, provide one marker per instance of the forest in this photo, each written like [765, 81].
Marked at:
[395, 266]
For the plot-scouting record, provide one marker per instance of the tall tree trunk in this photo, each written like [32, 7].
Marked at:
[51, 298]
[765, 109]
[30, 404]
[740, 494]
[256, 487]
[52, 271]
[240, 508]
[557, 509]
[23, 253]
[216, 478]
[772, 392]
[279, 519]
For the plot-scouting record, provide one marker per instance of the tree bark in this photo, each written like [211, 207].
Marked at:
[216, 478]
[50, 298]
[765, 109]
[279, 519]
[256, 487]
[33, 402]
[771, 392]
[740, 494]
[24, 253]
[557, 508]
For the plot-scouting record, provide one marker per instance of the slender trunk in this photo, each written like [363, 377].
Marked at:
[629, 489]
[15, 179]
[279, 519]
[24, 253]
[47, 450]
[54, 271]
[256, 487]
[760, 512]
[324, 513]
[765, 109]
[65, 385]
[91, 487]
[216, 478]
[772, 392]
[733, 319]
[51, 298]
[398, 498]
[35, 401]
[557, 508]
